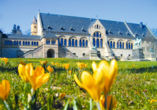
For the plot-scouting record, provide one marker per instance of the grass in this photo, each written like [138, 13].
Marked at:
[134, 87]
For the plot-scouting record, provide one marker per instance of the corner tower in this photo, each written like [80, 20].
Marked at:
[34, 27]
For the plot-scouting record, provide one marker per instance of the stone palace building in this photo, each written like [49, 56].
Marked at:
[60, 36]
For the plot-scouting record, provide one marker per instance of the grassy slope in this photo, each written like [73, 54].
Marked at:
[134, 86]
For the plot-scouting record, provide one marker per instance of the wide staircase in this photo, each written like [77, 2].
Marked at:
[65, 53]
[35, 53]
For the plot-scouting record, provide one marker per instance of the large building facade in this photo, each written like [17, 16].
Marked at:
[73, 37]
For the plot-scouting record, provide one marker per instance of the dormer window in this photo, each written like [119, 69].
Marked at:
[49, 27]
[62, 28]
[120, 33]
[83, 30]
[72, 29]
[127, 33]
[143, 35]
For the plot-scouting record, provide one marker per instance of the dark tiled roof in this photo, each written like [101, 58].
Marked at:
[50, 35]
[61, 23]
[17, 36]
[136, 29]
[34, 21]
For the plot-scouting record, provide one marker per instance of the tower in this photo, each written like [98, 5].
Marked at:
[34, 27]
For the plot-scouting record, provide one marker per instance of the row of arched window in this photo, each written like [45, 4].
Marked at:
[73, 42]
[97, 42]
[27, 43]
[97, 34]
[50, 42]
[120, 45]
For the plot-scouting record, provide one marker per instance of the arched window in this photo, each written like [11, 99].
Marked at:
[14, 42]
[94, 35]
[61, 41]
[80, 43]
[17, 42]
[110, 44]
[126, 45]
[47, 41]
[75, 43]
[5, 42]
[86, 43]
[69, 42]
[101, 43]
[93, 41]
[117, 45]
[83, 43]
[120, 45]
[37, 43]
[123, 45]
[32, 43]
[28, 42]
[65, 42]
[97, 26]
[53, 42]
[100, 34]
[113, 44]
[129, 45]
[97, 42]
[23, 42]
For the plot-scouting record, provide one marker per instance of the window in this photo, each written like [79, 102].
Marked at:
[83, 43]
[5, 42]
[80, 43]
[75, 43]
[54, 42]
[113, 44]
[101, 43]
[61, 41]
[97, 43]
[69, 42]
[126, 45]
[23, 42]
[93, 42]
[117, 45]
[86, 43]
[131, 46]
[110, 44]
[10, 42]
[14, 42]
[120, 45]
[65, 42]
[32, 43]
[97, 34]
[123, 45]
[47, 41]
[37, 43]
[28, 42]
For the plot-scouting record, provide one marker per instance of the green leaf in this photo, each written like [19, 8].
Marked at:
[66, 105]
[75, 106]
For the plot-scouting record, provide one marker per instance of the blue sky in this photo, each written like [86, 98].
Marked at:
[22, 12]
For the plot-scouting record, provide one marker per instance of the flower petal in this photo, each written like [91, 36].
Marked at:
[94, 66]
[77, 81]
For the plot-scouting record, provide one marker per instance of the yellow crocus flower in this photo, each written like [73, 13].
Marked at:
[92, 84]
[62, 95]
[53, 63]
[22, 71]
[50, 69]
[43, 62]
[5, 60]
[111, 102]
[4, 89]
[80, 65]
[110, 73]
[70, 71]
[66, 66]
[37, 77]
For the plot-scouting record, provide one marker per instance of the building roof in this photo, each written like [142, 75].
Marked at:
[18, 36]
[50, 35]
[34, 21]
[71, 24]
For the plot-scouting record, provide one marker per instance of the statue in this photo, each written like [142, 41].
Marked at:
[137, 42]
[94, 48]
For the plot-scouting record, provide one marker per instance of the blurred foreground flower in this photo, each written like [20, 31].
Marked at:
[66, 66]
[110, 73]
[53, 63]
[43, 62]
[5, 60]
[70, 71]
[153, 100]
[111, 102]
[62, 95]
[81, 65]
[36, 77]
[50, 69]
[4, 89]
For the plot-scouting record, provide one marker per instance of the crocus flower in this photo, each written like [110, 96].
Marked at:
[36, 77]
[62, 95]
[111, 102]
[153, 100]
[22, 69]
[43, 62]
[92, 84]
[110, 73]
[50, 69]
[4, 89]
[70, 71]
[66, 66]
[80, 65]
[5, 60]
[52, 63]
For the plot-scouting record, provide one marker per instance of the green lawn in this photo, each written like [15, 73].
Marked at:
[134, 87]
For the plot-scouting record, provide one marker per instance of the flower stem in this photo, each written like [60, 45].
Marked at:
[98, 105]
[106, 102]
